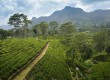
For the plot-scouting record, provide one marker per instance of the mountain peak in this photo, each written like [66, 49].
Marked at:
[66, 7]
[72, 8]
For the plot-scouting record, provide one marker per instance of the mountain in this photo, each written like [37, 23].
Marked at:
[76, 15]
[6, 27]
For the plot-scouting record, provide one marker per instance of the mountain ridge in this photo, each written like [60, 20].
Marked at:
[76, 15]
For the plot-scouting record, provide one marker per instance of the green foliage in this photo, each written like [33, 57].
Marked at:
[70, 53]
[40, 29]
[81, 43]
[52, 66]
[43, 25]
[82, 48]
[4, 33]
[54, 27]
[67, 40]
[101, 40]
[20, 22]
[67, 28]
[14, 53]
[102, 58]
[101, 71]
[107, 49]
[37, 30]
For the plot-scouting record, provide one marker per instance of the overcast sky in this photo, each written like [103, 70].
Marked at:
[37, 8]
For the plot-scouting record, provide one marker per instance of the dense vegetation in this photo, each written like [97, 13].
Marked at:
[101, 71]
[53, 65]
[14, 53]
[85, 50]
[76, 53]
[4, 33]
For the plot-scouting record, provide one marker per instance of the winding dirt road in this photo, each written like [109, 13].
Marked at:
[23, 74]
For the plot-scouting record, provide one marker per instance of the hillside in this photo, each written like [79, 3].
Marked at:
[14, 53]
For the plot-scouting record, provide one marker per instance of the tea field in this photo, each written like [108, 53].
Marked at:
[53, 65]
[14, 53]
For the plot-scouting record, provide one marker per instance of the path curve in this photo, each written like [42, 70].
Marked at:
[22, 75]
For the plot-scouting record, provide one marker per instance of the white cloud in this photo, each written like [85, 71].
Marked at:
[92, 5]
[4, 20]
[9, 7]
[47, 7]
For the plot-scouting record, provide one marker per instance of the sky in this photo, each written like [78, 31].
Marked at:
[37, 8]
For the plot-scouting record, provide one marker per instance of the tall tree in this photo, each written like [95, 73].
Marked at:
[82, 43]
[54, 26]
[67, 28]
[101, 40]
[37, 30]
[19, 21]
[43, 25]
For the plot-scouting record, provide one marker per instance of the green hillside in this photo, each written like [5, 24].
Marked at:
[52, 65]
[14, 53]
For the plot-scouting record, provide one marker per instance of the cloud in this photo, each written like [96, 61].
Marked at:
[3, 23]
[92, 1]
[37, 8]
[91, 5]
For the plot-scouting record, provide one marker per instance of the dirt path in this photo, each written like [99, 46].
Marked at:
[23, 74]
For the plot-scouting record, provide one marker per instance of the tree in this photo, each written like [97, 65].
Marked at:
[43, 25]
[10, 33]
[101, 71]
[107, 42]
[4, 33]
[54, 26]
[67, 28]
[101, 40]
[82, 43]
[37, 30]
[19, 21]
[107, 49]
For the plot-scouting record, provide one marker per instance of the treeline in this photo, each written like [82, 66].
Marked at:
[22, 27]
[5, 33]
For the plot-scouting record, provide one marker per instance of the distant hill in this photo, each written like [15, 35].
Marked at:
[78, 16]
[6, 27]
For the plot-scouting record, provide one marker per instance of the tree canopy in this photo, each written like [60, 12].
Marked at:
[67, 28]
[20, 22]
